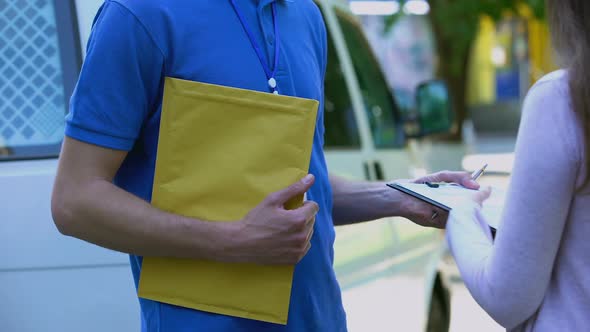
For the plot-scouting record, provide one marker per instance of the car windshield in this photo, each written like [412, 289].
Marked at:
[379, 104]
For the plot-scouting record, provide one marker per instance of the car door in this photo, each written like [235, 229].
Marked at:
[360, 249]
[384, 266]
[394, 158]
[47, 282]
[418, 248]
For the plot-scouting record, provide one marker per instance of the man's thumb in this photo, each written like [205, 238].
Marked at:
[297, 188]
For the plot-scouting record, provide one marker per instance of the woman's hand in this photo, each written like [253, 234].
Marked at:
[427, 215]
[482, 195]
[462, 178]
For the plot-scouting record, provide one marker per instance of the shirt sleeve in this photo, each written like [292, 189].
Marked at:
[509, 278]
[119, 82]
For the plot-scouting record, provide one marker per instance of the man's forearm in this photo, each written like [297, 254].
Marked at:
[103, 214]
[358, 201]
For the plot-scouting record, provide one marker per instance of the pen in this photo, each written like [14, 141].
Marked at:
[478, 173]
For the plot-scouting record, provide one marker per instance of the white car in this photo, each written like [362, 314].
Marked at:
[389, 270]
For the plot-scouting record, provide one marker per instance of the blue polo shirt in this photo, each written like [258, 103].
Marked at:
[117, 104]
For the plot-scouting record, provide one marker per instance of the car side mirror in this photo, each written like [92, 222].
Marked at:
[433, 113]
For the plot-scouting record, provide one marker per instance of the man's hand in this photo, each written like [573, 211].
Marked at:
[270, 234]
[87, 205]
[427, 215]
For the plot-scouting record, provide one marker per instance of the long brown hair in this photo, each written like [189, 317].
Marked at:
[569, 22]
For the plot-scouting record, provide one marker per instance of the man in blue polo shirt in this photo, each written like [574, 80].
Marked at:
[107, 163]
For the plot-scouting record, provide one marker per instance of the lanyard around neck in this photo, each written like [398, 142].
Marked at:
[270, 73]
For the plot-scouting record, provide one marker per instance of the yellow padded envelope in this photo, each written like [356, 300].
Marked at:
[221, 151]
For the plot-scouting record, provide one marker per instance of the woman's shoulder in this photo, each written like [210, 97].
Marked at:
[557, 75]
[548, 107]
[550, 96]
[555, 83]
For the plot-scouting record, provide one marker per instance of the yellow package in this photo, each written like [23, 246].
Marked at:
[221, 151]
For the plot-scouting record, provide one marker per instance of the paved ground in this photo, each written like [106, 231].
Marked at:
[467, 316]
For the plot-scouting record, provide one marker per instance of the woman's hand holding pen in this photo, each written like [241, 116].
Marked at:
[481, 195]
[426, 215]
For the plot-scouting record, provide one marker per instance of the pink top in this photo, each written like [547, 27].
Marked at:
[536, 276]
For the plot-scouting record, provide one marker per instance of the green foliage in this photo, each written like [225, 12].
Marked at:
[459, 19]
[455, 24]
[538, 7]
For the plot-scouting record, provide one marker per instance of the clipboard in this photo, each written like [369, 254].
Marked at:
[420, 196]
[447, 196]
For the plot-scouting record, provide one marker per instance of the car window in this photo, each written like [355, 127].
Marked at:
[339, 119]
[380, 106]
[39, 59]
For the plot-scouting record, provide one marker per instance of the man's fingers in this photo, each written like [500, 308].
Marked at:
[310, 235]
[304, 215]
[437, 219]
[298, 188]
[305, 251]
[308, 210]
[441, 220]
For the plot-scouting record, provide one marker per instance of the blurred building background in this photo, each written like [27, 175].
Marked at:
[508, 51]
